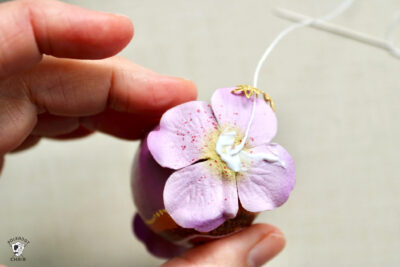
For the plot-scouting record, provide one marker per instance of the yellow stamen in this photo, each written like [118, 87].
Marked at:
[250, 90]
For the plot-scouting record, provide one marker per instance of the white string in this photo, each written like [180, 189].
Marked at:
[385, 44]
[337, 11]
[238, 148]
[389, 36]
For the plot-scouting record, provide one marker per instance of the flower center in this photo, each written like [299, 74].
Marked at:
[225, 149]
[234, 156]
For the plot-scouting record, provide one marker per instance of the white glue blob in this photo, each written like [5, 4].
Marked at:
[234, 157]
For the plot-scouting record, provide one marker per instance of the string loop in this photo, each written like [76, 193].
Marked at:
[337, 11]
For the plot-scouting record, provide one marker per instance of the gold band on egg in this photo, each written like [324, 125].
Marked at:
[155, 216]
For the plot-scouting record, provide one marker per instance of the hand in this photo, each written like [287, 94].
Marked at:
[48, 88]
[253, 246]
[56, 97]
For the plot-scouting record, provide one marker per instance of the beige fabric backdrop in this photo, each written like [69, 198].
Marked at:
[338, 108]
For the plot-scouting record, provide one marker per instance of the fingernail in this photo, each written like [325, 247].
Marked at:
[265, 249]
[177, 78]
[186, 79]
[119, 15]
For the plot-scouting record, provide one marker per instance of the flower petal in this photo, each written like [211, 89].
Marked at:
[178, 141]
[155, 244]
[199, 197]
[235, 110]
[266, 185]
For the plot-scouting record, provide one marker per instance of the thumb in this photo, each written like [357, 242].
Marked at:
[251, 247]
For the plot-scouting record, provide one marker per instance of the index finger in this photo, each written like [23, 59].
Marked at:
[31, 28]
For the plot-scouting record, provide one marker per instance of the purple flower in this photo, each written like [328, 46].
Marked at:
[213, 172]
